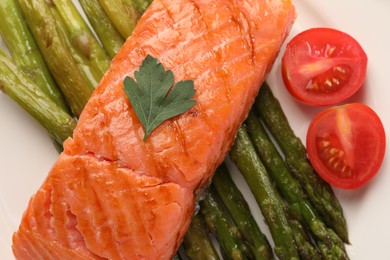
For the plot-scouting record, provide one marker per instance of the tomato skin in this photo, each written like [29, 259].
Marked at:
[346, 145]
[323, 66]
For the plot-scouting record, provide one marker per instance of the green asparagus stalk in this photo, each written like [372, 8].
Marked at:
[17, 85]
[219, 223]
[123, 14]
[56, 53]
[239, 210]
[337, 252]
[243, 154]
[197, 244]
[318, 191]
[81, 62]
[337, 248]
[285, 182]
[329, 254]
[102, 25]
[25, 52]
[305, 249]
[141, 5]
[87, 51]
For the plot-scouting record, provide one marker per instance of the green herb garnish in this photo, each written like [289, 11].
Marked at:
[153, 96]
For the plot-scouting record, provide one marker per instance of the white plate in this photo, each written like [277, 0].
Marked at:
[26, 153]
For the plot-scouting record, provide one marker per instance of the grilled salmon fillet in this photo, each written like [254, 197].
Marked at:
[111, 195]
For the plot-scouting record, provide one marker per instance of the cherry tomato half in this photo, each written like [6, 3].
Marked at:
[323, 66]
[346, 145]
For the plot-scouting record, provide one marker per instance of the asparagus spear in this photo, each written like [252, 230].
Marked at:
[80, 60]
[123, 15]
[17, 85]
[24, 50]
[319, 192]
[220, 224]
[56, 53]
[241, 214]
[285, 182]
[243, 154]
[141, 5]
[305, 249]
[328, 254]
[338, 252]
[101, 23]
[196, 243]
[87, 51]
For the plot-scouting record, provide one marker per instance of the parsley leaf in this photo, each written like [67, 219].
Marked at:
[153, 97]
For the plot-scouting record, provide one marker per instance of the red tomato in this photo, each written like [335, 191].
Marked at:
[323, 66]
[346, 145]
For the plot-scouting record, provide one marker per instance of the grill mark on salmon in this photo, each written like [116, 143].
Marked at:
[110, 195]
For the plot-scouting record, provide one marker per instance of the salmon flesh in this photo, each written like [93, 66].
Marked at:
[111, 195]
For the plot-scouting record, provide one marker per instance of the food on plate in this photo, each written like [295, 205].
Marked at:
[123, 14]
[304, 243]
[24, 50]
[112, 195]
[50, 36]
[288, 230]
[21, 88]
[110, 38]
[323, 66]
[244, 155]
[239, 211]
[90, 56]
[196, 242]
[291, 189]
[318, 191]
[218, 221]
[346, 145]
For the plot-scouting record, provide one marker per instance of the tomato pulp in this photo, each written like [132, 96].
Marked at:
[323, 66]
[346, 145]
